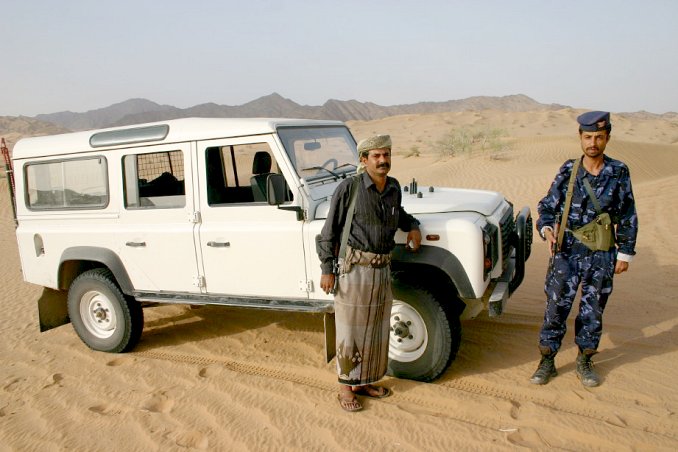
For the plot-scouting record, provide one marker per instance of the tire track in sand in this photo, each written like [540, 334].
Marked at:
[633, 429]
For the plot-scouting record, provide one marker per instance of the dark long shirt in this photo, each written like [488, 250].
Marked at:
[612, 187]
[376, 218]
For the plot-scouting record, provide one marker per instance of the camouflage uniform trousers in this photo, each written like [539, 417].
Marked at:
[594, 270]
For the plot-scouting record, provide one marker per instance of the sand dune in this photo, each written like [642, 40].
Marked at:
[228, 379]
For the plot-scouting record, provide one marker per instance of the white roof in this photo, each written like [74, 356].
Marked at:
[178, 130]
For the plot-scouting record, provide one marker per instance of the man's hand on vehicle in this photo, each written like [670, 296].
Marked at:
[413, 240]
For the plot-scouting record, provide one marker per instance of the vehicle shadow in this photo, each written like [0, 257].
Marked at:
[168, 326]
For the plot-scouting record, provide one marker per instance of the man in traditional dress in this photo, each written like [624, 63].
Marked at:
[600, 185]
[363, 295]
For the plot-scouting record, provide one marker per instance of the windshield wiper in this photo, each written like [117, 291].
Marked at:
[338, 176]
[346, 164]
[318, 168]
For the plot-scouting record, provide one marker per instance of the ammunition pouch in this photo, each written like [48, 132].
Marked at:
[597, 235]
[364, 258]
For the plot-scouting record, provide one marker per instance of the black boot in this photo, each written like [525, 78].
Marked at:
[585, 371]
[546, 369]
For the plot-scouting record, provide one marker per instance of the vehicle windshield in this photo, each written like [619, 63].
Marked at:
[320, 152]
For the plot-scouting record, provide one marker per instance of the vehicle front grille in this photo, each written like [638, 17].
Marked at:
[508, 230]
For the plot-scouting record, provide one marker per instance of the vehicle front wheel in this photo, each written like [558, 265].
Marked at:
[104, 318]
[425, 336]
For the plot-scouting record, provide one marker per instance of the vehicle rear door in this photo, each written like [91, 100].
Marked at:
[156, 235]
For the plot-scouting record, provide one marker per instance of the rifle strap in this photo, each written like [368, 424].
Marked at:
[568, 201]
[349, 216]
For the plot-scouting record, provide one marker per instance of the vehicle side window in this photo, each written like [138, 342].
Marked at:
[238, 173]
[154, 180]
[67, 184]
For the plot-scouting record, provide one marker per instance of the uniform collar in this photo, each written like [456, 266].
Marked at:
[606, 170]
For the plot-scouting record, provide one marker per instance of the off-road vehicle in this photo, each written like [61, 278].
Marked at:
[225, 212]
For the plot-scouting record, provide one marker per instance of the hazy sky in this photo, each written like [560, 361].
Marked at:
[80, 55]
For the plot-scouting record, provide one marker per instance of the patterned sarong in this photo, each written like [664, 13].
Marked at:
[362, 307]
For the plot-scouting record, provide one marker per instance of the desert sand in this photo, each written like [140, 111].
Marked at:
[227, 379]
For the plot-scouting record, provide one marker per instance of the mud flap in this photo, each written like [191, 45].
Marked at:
[52, 309]
[330, 336]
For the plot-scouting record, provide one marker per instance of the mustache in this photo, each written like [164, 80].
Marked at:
[383, 165]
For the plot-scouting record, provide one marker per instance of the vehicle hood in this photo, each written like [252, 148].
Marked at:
[442, 200]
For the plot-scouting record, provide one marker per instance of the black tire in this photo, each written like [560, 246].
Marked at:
[104, 318]
[423, 349]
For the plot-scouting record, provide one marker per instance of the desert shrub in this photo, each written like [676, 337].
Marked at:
[465, 141]
[454, 143]
[413, 152]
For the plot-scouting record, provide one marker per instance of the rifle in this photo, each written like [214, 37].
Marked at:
[557, 231]
[554, 245]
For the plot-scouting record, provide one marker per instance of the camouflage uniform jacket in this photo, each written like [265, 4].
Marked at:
[613, 189]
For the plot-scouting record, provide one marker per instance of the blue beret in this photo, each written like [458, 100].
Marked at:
[594, 121]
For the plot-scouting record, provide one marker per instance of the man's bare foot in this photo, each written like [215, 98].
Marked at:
[348, 400]
[376, 392]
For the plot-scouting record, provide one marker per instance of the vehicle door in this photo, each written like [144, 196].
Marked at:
[249, 248]
[157, 228]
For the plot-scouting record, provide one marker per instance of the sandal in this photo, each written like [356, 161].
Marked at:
[351, 405]
[375, 392]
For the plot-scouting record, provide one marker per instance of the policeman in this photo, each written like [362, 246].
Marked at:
[579, 261]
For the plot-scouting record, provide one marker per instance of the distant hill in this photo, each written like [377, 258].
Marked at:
[426, 121]
[107, 116]
[136, 111]
[12, 128]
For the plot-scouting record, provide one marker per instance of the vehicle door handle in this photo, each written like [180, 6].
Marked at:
[136, 244]
[219, 244]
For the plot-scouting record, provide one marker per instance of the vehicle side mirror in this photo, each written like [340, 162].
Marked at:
[276, 194]
[276, 188]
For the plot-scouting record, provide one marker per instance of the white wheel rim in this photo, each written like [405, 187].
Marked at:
[98, 314]
[409, 336]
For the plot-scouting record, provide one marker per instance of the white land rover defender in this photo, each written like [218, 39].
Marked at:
[195, 211]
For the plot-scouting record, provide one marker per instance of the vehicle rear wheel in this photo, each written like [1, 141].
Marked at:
[425, 336]
[104, 318]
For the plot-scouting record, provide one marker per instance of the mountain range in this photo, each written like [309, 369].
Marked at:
[136, 111]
